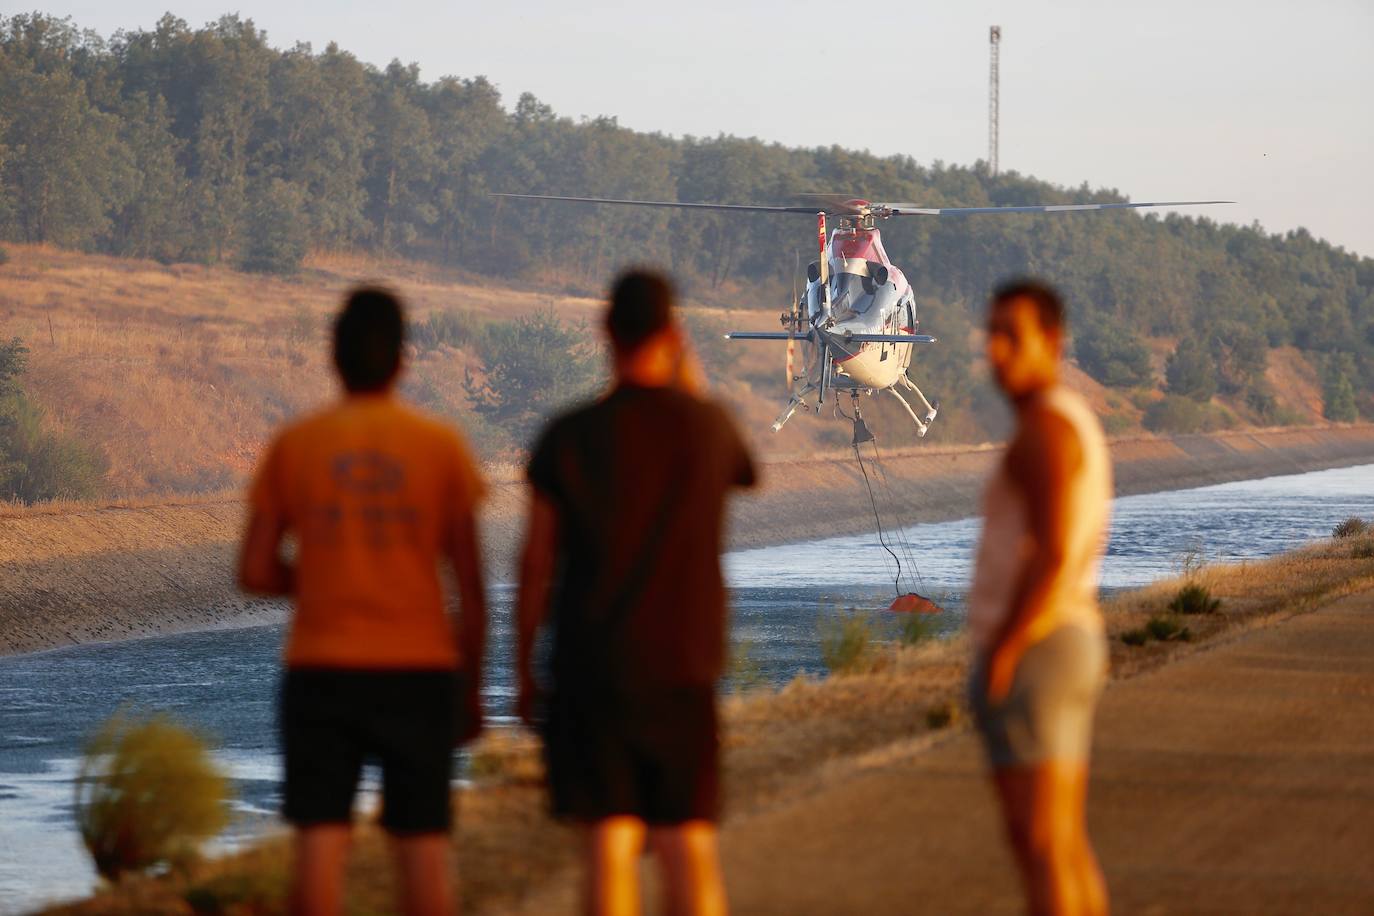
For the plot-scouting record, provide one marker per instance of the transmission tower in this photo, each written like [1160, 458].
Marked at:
[994, 42]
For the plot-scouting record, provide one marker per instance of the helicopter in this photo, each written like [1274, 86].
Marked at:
[856, 319]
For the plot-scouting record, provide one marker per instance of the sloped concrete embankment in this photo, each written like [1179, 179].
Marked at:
[100, 574]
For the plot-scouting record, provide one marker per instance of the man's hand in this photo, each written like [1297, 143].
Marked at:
[1001, 671]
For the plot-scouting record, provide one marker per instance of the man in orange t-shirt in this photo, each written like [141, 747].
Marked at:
[375, 496]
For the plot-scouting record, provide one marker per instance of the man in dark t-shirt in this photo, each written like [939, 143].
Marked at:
[623, 551]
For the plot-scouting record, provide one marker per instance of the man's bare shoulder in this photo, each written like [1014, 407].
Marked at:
[1046, 444]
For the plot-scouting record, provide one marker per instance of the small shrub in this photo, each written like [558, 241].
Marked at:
[1189, 561]
[1137, 637]
[1352, 527]
[1194, 599]
[917, 628]
[1167, 629]
[847, 644]
[4, 257]
[942, 715]
[745, 672]
[246, 892]
[147, 795]
[450, 329]
[1114, 424]
[1364, 550]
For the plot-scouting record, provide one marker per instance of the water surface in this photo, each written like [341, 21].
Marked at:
[223, 682]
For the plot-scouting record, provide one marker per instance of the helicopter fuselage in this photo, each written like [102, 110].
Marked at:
[867, 295]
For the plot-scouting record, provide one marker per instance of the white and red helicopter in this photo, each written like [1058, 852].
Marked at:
[857, 317]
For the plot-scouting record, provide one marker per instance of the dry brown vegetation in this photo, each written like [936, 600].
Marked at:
[777, 743]
[180, 372]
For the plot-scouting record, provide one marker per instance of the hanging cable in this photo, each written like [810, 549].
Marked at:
[902, 540]
[877, 519]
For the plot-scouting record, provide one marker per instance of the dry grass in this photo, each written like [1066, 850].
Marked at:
[180, 373]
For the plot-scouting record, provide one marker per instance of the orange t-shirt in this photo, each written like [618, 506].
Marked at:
[372, 490]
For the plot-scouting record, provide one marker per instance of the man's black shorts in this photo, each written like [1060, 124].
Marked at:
[652, 754]
[331, 721]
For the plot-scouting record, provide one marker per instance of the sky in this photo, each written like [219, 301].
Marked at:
[1262, 102]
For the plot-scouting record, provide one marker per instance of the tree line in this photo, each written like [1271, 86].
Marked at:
[210, 145]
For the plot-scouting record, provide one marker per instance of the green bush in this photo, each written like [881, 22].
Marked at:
[745, 672]
[279, 232]
[1138, 637]
[917, 628]
[147, 795]
[1174, 414]
[1351, 527]
[1167, 629]
[848, 644]
[942, 715]
[533, 365]
[1177, 414]
[1194, 599]
[4, 257]
[36, 464]
[1114, 424]
[1112, 353]
[1191, 371]
[1338, 394]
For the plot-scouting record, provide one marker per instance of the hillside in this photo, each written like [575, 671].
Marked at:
[177, 373]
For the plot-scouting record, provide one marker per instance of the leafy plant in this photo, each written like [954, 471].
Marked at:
[35, 463]
[147, 794]
[1136, 637]
[533, 365]
[916, 629]
[745, 671]
[1352, 527]
[1167, 629]
[1194, 598]
[1112, 353]
[848, 643]
[942, 715]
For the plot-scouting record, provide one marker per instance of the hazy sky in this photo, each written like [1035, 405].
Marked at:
[1263, 102]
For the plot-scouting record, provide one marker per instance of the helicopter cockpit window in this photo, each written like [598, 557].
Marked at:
[855, 290]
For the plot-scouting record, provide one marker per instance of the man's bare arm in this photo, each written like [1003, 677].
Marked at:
[262, 571]
[536, 573]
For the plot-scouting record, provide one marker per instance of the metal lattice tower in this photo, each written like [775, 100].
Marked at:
[995, 42]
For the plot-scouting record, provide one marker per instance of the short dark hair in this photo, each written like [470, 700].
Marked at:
[1049, 305]
[367, 338]
[641, 306]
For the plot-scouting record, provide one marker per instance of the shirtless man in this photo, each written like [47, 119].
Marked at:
[1041, 654]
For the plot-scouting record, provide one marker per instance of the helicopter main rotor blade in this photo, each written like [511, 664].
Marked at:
[660, 203]
[885, 209]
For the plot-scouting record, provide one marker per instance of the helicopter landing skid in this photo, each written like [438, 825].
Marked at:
[792, 405]
[921, 428]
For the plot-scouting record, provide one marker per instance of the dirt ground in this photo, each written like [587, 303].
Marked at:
[1239, 779]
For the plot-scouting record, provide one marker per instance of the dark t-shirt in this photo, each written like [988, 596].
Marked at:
[639, 481]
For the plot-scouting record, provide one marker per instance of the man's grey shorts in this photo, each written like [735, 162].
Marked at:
[1048, 713]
